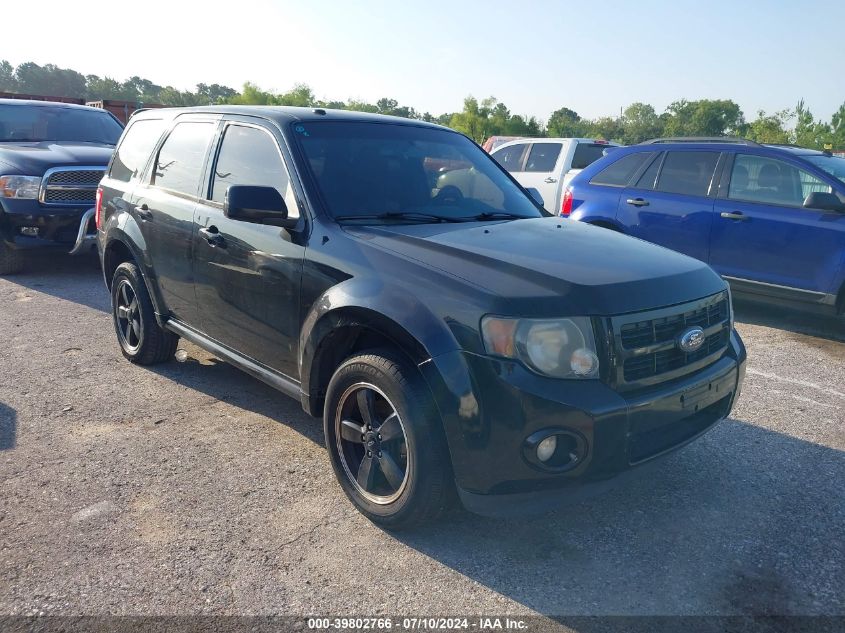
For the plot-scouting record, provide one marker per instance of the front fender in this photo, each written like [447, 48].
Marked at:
[388, 310]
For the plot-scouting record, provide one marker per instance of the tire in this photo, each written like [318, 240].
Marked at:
[11, 260]
[141, 339]
[401, 406]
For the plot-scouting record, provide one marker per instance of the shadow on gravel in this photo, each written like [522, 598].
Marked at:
[745, 521]
[8, 427]
[72, 278]
[220, 380]
[792, 320]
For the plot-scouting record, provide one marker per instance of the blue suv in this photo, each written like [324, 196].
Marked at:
[769, 218]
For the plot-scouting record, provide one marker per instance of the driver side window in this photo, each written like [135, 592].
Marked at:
[771, 181]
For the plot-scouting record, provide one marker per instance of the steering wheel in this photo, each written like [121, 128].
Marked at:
[450, 195]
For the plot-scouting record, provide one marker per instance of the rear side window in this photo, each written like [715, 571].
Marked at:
[133, 151]
[250, 156]
[619, 173]
[543, 156]
[511, 157]
[689, 173]
[588, 153]
[181, 157]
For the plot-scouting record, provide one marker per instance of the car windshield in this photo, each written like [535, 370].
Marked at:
[833, 165]
[19, 123]
[406, 173]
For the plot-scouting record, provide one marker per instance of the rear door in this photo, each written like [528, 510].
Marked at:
[671, 204]
[247, 274]
[164, 209]
[763, 234]
[542, 170]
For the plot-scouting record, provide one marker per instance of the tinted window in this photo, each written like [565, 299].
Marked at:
[511, 157]
[834, 165]
[588, 153]
[647, 180]
[771, 181]
[249, 156]
[542, 156]
[180, 159]
[56, 123]
[619, 173]
[133, 151]
[365, 169]
[687, 172]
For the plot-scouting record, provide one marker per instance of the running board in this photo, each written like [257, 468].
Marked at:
[287, 386]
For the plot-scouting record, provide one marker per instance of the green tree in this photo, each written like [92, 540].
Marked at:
[607, 128]
[707, 117]
[639, 123]
[808, 132]
[474, 119]
[566, 123]
[215, 93]
[837, 129]
[769, 128]
[7, 77]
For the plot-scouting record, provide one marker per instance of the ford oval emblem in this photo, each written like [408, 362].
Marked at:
[691, 339]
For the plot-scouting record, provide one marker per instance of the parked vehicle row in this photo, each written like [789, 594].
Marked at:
[454, 336]
[769, 218]
[549, 164]
[52, 155]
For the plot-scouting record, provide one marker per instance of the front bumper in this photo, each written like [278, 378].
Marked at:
[489, 408]
[69, 229]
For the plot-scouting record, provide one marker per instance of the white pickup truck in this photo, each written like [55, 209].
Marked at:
[548, 164]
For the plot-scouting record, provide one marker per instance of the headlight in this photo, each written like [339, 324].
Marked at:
[20, 186]
[560, 348]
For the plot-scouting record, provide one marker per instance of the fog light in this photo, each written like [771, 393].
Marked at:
[29, 231]
[584, 362]
[547, 448]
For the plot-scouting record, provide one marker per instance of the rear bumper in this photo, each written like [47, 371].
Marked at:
[489, 414]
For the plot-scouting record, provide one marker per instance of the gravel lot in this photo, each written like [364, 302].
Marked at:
[191, 488]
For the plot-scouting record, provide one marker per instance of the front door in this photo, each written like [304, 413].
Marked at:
[247, 274]
[164, 208]
[763, 233]
[671, 204]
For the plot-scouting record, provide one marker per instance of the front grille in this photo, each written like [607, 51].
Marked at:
[71, 185]
[646, 343]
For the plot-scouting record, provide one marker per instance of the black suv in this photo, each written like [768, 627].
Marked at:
[52, 155]
[453, 337]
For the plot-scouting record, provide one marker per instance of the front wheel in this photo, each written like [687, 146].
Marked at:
[386, 442]
[11, 260]
[141, 338]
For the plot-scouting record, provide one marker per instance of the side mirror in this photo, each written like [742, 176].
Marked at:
[824, 200]
[260, 205]
[535, 194]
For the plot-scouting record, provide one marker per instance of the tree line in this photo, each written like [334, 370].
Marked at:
[477, 119]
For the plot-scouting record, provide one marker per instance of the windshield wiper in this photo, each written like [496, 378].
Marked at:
[496, 215]
[403, 215]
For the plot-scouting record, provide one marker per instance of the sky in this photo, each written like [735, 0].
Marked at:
[533, 55]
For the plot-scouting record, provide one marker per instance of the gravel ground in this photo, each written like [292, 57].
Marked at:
[191, 488]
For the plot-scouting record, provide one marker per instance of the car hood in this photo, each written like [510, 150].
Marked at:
[550, 266]
[33, 159]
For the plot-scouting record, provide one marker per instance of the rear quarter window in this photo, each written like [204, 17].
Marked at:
[618, 174]
[135, 148]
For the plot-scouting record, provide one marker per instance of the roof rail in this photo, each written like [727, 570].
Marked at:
[701, 139]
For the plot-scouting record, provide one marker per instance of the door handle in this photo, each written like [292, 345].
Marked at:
[550, 180]
[736, 215]
[212, 236]
[144, 212]
[637, 202]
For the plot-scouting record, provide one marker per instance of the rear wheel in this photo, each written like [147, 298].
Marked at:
[141, 338]
[386, 443]
[11, 260]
